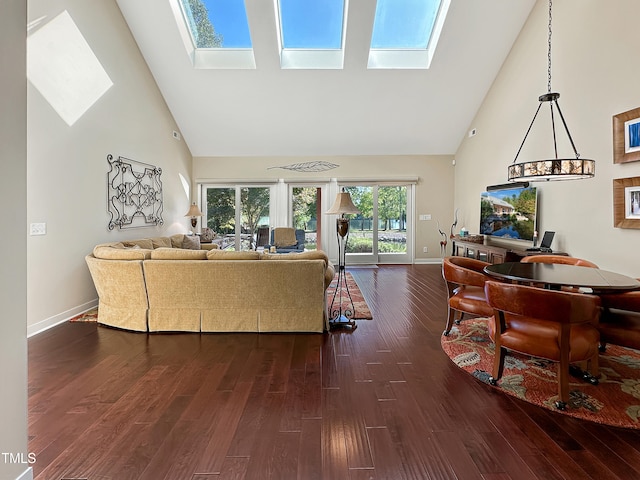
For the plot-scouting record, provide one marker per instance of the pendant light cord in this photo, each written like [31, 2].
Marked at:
[549, 53]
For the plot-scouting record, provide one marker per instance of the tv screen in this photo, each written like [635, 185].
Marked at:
[509, 213]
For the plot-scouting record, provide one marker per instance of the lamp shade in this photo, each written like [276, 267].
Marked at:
[194, 211]
[342, 205]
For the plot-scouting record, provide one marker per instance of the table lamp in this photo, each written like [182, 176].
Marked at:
[194, 212]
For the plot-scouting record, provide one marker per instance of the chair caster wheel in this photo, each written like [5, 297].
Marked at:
[445, 333]
[457, 322]
[493, 381]
[561, 405]
[602, 348]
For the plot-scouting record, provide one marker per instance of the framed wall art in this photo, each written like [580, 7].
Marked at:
[626, 202]
[626, 136]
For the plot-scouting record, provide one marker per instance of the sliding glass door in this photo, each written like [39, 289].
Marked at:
[235, 213]
[306, 214]
[381, 233]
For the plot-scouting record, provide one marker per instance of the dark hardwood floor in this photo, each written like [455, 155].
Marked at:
[381, 402]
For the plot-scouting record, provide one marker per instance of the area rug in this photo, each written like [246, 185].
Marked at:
[615, 401]
[88, 316]
[361, 308]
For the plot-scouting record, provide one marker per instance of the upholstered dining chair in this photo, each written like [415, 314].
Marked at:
[550, 324]
[563, 259]
[620, 320]
[465, 279]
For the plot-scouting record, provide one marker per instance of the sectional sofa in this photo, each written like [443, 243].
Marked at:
[158, 285]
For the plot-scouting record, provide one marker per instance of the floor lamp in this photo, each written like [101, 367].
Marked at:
[340, 315]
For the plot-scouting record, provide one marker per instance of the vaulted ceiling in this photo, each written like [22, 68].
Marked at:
[269, 111]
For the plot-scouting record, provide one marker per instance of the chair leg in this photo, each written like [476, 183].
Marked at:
[594, 365]
[498, 365]
[460, 318]
[563, 384]
[451, 315]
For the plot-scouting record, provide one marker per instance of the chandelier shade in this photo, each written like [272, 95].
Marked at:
[554, 169]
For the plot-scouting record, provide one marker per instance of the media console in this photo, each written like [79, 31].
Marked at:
[492, 252]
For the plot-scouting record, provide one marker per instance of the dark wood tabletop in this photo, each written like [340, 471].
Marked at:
[557, 275]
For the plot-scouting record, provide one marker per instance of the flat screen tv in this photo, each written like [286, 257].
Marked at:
[509, 212]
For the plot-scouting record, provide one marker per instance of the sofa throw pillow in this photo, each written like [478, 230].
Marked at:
[207, 235]
[191, 242]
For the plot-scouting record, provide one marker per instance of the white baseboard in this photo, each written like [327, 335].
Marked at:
[427, 261]
[26, 475]
[60, 318]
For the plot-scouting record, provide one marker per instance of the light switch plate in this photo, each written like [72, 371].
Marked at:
[38, 229]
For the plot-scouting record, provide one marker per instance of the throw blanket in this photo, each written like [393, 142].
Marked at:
[284, 237]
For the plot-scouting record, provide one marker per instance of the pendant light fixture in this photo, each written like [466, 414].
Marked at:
[556, 168]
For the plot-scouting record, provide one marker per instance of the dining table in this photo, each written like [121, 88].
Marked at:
[556, 276]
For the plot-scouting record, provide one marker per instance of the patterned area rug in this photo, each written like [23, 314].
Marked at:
[88, 316]
[615, 401]
[362, 311]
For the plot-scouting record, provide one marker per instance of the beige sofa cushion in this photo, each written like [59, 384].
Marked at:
[159, 242]
[164, 253]
[117, 251]
[308, 255]
[232, 255]
[142, 243]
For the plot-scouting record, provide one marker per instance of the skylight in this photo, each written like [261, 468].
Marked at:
[405, 32]
[311, 33]
[311, 24]
[219, 33]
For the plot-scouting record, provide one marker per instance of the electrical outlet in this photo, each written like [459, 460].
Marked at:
[472, 132]
[425, 217]
[38, 229]
[425, 249]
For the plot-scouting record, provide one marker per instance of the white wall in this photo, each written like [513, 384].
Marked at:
[434, 190]
[13, 278]
[67, 165]
[595, 69]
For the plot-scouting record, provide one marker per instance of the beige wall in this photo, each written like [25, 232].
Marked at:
[434, 190]
[13, 277]
[67, 166]
[595, 71]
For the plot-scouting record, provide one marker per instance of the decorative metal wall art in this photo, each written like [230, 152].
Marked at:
[316, 166]
[134, 193]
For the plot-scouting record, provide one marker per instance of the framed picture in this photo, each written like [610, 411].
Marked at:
[626, 136]
[626, 202]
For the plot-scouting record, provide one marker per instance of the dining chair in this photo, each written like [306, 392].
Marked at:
[559, 259]
[563, 259]
[620, 320]
[465, 279]
[550, 324]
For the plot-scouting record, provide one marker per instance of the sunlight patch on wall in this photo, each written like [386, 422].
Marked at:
[64, 69]
[185, 185]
